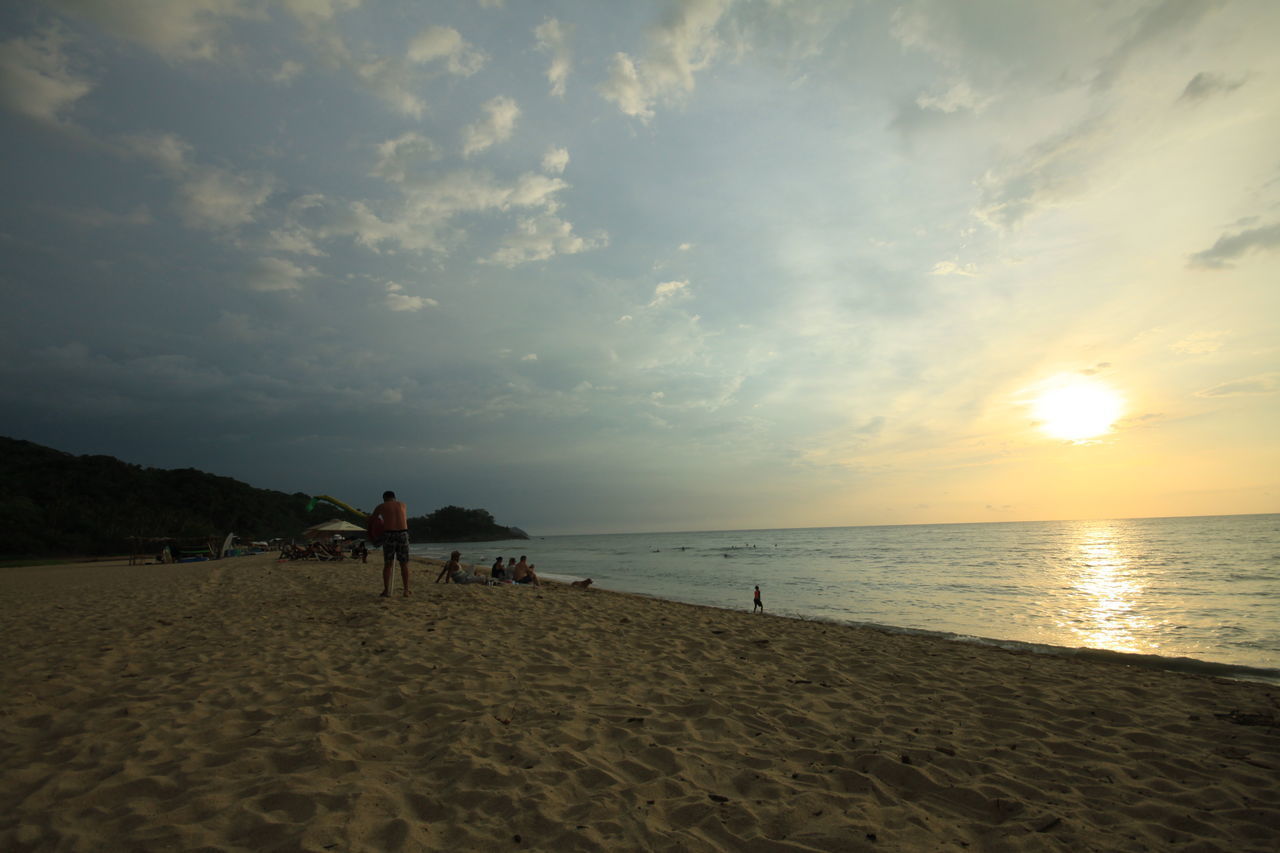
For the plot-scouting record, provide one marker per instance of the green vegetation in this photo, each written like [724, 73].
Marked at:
[455, 524]
[57, 504]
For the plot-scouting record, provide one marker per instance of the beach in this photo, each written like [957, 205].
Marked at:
[246, 704]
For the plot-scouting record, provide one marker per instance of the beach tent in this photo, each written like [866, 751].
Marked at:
[327, 529]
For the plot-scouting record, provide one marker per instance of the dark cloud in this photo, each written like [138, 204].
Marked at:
[1157, 22]
[1231, 247]
[1205, 85]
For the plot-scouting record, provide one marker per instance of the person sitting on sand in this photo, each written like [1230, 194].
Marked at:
[524, 573]
[453, 571]
[496, 572]
[449, 568]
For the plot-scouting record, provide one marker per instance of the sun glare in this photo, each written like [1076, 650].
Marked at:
[1077, 409]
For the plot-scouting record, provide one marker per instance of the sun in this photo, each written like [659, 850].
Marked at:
[1076, 408]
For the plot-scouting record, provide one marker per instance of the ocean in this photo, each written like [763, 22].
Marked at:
[1197, 594]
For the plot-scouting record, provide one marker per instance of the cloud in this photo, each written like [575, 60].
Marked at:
[288, 71]
[1205, 85]
[959, 96]
[1199, 343]
[555, 161]
[395, 83]
[1231, 247]
[497, 126]
[669, 291]
[540, 237]
[553, 39]
[1155, 23]
[430, 202]
[276, 274]
[190, 29]
[1263, 383]
[35, 78]
[292, 239]
[1044, 176]
[403, 156]
[321, 9]
[445, 44]
[953, 268]
[218, 199]
[170, 152]
[209, 197]
[683, 45]
[398, 300]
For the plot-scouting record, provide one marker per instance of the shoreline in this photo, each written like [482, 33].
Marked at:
[1160, 663]
[243, 703]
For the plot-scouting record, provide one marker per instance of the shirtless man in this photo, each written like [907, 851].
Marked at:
[523, 573]
[395, 541]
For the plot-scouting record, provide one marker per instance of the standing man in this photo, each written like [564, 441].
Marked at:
[759, 605]
[395, 540]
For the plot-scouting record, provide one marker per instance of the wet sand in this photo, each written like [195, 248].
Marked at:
[250, 705]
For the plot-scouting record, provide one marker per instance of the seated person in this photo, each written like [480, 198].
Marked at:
[453, 571]
[523, 573]
[496, 572]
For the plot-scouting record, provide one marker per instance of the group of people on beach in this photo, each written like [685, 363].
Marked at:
[395, 548]
[513, 572]
[394, 517]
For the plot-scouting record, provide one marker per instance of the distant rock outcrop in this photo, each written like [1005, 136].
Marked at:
[455, 524]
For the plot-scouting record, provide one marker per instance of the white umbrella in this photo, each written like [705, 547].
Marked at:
[329, 528]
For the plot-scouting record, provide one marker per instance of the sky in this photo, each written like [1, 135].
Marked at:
[699, 264]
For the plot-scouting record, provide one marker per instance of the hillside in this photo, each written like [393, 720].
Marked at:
[58, 504]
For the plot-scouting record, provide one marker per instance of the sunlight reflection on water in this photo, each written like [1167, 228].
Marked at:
[1103, 609]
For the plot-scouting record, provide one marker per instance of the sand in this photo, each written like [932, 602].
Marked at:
[250, 705]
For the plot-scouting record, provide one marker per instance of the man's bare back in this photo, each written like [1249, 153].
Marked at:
[395, 543]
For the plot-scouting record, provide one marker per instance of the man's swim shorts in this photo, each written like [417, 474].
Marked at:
[395, 545]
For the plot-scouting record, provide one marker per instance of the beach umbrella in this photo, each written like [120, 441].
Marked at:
[328, 528]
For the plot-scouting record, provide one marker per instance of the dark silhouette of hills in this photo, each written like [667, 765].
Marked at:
[57, 504]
